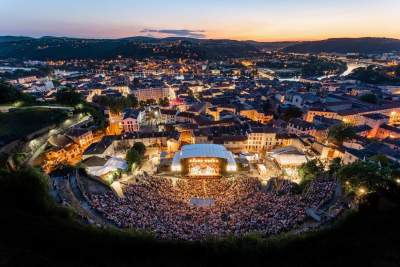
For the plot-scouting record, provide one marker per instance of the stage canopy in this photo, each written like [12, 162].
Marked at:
[289, 156]
[204, 151]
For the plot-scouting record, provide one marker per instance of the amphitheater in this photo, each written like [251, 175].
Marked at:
[195, 209]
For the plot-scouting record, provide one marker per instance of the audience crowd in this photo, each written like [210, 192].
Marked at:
[162, 206]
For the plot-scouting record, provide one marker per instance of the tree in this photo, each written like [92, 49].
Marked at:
[116, 104]
[376, 75]
[132, 101]
[68, 97]
[97, 114]
[382, 159]
[135, 155]
[150, 102]
[309, 171]
[190, 93]
[9, 94]
[335, 165]
[369, 98]
[163, 102]
[56, 83]
[140, 148]
[136, 82]
[368, 176]
[147, 102]
[266, 106]
[317, 67]
[133, 158]
[340, 133]
[291, 112]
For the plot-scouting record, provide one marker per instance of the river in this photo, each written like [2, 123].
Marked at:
[349, 70]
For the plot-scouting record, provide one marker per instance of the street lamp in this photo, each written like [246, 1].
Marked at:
[362, 191]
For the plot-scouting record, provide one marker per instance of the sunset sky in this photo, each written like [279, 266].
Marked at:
[262, 20]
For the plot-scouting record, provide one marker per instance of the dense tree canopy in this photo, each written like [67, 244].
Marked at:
[163, 102]
[340, 133]
[135, 154]
[291, 112]
[369, 98]
[335, 165]
[133, 158]
[309, 171]
[96, 113]
[318, 67]
[377, 75]
[117, 104]
[42, 71]
[68, 97]
[368, 176]
[9, 94]
[140, 148]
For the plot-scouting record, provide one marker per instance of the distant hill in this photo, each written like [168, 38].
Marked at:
[5, 39]
[347, 45]
[55, 48]
[137, 47]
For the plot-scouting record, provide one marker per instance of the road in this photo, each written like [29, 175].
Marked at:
[36, 146]
[8, 107]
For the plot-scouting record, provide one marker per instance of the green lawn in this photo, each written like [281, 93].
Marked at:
[19, 123]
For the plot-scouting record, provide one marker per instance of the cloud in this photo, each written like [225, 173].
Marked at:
[176, 33]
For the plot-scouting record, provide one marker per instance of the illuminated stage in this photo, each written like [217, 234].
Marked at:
[204, 160]
[204, 167]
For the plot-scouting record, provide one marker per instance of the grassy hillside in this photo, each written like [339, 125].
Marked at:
[19, 123]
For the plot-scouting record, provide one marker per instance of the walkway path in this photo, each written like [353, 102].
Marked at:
[335, 198]
[94, 215]
[323, 211]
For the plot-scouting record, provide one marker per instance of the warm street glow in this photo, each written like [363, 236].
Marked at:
[362, 191]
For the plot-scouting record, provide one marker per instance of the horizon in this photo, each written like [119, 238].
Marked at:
[194, 38]
[263, 21]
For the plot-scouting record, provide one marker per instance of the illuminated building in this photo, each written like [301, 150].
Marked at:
[355, 116]
[216, 110]
[300, 127]
[261, 139]
[254, 115]
[155, 93]
[394, 117]
[322, 113]
[387, 131]
[114, 123]
[130, 121]
[168, 116]
[82, 137]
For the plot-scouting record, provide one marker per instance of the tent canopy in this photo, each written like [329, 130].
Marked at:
[113, 164]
